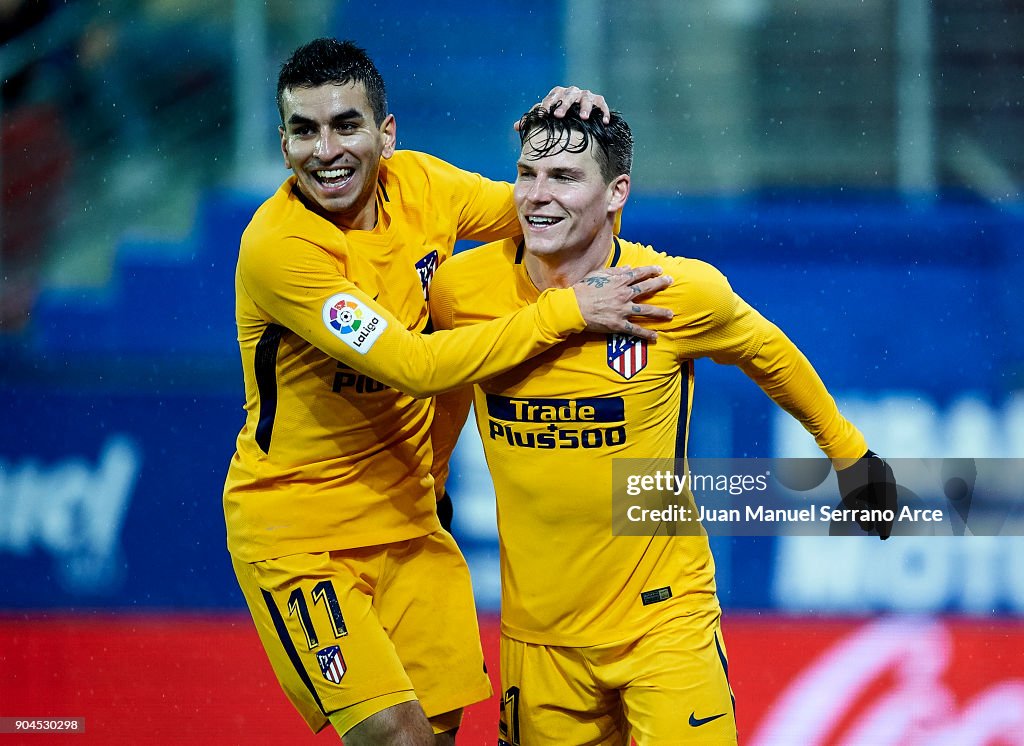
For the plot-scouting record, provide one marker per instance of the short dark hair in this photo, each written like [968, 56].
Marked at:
[329, 61]
[614, 140]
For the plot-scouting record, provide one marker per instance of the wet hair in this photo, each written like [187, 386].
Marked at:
[329, 61]
[614, 140]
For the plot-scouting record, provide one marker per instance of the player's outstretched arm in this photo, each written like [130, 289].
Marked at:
[712, 321]
[868, 487]
[866, 482]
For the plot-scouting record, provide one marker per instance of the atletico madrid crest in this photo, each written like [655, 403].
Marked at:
[332, 665]
[627, 355]
[425, 268]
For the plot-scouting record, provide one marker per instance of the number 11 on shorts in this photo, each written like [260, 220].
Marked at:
[323, 592]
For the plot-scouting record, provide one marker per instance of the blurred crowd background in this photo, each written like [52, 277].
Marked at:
[118, 115]
[855, 169]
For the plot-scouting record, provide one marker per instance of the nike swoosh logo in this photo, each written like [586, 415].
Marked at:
[697, 722]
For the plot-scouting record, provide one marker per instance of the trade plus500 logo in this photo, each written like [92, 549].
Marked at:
[353, 322]
[557, 423]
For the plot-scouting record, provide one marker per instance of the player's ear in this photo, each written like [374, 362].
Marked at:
[389, 131]
[284, 148]
[618, 192]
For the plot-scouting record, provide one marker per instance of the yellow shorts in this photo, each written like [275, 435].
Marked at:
[361, 630]
[669, 686]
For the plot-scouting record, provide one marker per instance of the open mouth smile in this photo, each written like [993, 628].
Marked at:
[540, 222]
[333, 178]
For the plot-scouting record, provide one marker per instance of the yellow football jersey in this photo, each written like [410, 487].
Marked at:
[552, 426]
[333, 455]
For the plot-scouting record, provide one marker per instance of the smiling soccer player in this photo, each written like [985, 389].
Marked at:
[605, 637]
[362, 600]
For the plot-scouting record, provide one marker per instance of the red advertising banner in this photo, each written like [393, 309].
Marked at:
[205, 680]
[920, 681]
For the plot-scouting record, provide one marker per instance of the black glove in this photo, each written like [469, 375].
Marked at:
[869, 485]
[445, 511]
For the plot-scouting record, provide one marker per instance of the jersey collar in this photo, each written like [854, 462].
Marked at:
[616, 251]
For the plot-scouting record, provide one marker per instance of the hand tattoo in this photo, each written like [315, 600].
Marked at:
[598, 282]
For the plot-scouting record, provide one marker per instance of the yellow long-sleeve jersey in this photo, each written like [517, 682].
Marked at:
[552, 426]
[333, 455]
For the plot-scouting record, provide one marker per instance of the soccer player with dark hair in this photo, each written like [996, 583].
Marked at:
[362, 601]
[607, 637]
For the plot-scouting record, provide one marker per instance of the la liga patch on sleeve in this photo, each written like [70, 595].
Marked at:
[353, 322]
